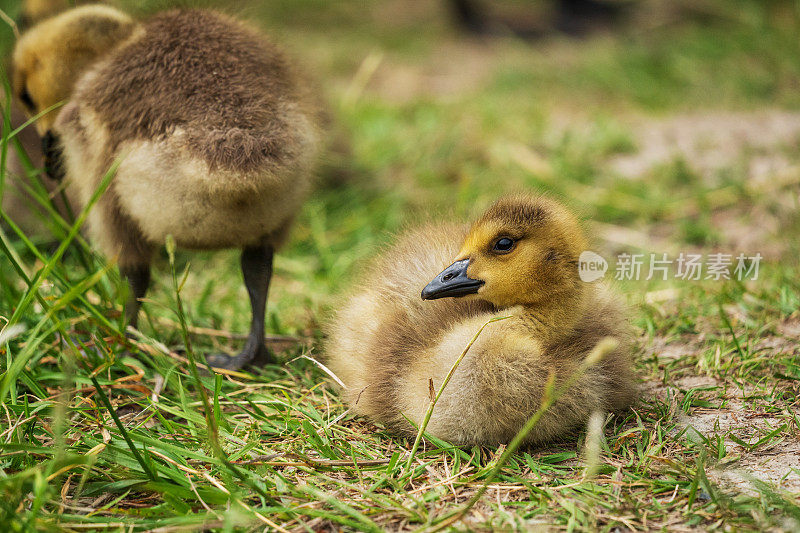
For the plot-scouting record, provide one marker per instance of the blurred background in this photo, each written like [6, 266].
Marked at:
[673, 125]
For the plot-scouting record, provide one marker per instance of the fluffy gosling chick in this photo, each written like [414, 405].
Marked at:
[18, 204]
[215, 132]
[520, 259]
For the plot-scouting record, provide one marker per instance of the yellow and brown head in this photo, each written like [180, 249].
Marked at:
[523, 251]
[50, 57]
[33, 12]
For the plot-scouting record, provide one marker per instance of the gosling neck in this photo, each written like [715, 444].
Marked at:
[556, 316]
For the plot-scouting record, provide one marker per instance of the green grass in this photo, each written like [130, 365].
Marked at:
[97, 431]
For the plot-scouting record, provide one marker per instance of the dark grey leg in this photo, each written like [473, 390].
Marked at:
[139, 280]
[257, 271]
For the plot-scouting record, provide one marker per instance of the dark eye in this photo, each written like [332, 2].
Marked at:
[25, 98]
[503, 244]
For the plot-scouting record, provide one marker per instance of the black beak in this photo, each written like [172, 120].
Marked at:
[53, 158]
[452, 282]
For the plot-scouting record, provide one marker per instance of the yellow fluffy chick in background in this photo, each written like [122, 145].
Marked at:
[18, 204]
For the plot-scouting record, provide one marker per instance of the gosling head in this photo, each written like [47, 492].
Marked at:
[50, 57]
[34, 11]
[523, 251]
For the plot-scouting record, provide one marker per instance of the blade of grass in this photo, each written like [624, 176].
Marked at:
[49, 265]
[551, 395]
[435, 399]
[19, 362]
[207, 407]
[111, 411]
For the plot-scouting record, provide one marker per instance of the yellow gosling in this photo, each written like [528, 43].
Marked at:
[409, 320]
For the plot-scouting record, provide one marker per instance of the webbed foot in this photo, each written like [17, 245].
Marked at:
[255, 354]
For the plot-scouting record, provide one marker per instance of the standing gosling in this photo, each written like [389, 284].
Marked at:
[520, 259]
[215, 132]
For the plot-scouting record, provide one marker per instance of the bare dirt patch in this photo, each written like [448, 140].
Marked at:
[738, 419]
[757, 149]
[711, 142]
